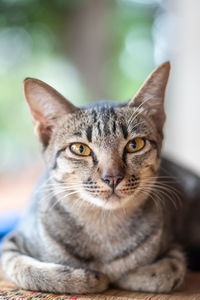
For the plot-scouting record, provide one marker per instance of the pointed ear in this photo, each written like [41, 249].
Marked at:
[150, 97]
[46, 105]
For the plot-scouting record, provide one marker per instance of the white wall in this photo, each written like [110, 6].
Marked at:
[180, 28]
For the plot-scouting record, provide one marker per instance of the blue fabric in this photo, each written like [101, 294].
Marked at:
[8, 221]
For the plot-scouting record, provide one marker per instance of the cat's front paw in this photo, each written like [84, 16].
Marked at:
[88, 281]
[163, 276]
[153, 282]
[97, 282]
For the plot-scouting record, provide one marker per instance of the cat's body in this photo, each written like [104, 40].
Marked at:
[115, 214]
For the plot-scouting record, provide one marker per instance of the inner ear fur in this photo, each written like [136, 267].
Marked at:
[151, 95]
[46, 106]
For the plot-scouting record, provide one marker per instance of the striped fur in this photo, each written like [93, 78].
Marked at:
[81, 233]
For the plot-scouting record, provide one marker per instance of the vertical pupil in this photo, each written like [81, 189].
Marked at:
[81, 148]
[133, 144]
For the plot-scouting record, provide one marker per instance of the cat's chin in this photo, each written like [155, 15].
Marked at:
[108, 203]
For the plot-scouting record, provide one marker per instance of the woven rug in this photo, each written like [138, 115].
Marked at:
[191, 290]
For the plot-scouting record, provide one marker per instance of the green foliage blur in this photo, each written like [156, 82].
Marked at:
[86, 49]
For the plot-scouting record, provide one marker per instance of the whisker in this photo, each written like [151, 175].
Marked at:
[161, 188]
[137, 112]
[137, 124]
[46, 189]
[61, 199]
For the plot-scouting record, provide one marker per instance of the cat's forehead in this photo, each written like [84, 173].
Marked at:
[105, 118]
[106, 122]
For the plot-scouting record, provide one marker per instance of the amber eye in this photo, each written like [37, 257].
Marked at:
[80, 149]
[135, 145]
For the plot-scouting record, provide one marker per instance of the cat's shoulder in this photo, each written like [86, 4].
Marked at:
[182, 175]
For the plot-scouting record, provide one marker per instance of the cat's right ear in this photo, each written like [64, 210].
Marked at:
[46, 106]
[150, 96]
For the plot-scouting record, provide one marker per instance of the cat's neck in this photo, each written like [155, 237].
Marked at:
[100, 222]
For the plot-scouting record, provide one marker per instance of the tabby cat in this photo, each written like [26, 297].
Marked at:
[110, 209]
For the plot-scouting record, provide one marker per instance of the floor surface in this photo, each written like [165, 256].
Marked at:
[191, 290]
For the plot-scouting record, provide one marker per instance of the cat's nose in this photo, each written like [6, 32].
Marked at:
[112, 181]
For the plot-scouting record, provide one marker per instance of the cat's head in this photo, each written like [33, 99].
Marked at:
[104, 154]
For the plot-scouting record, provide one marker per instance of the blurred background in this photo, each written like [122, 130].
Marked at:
[92, 50]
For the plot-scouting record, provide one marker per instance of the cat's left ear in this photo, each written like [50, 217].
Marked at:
[46, 106]
[150, 97]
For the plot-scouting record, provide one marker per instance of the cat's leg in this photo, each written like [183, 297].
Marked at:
[163, 276]
[31, 274]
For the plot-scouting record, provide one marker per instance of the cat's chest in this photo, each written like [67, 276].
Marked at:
[96, 238]
[93, 243]
[89, 248]
[109, 240]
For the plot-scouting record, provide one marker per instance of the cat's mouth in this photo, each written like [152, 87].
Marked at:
[113, 196]
[108, 199]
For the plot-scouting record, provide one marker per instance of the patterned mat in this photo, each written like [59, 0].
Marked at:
[191, 290]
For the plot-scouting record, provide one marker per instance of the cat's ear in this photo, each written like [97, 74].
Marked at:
[151, 95]
[46, 106]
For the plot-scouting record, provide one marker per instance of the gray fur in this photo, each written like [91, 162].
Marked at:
[77, 236]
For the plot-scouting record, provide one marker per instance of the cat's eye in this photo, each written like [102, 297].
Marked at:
[135, 145]
[80, 149]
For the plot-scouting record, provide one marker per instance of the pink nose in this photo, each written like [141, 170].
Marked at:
[112, 181]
